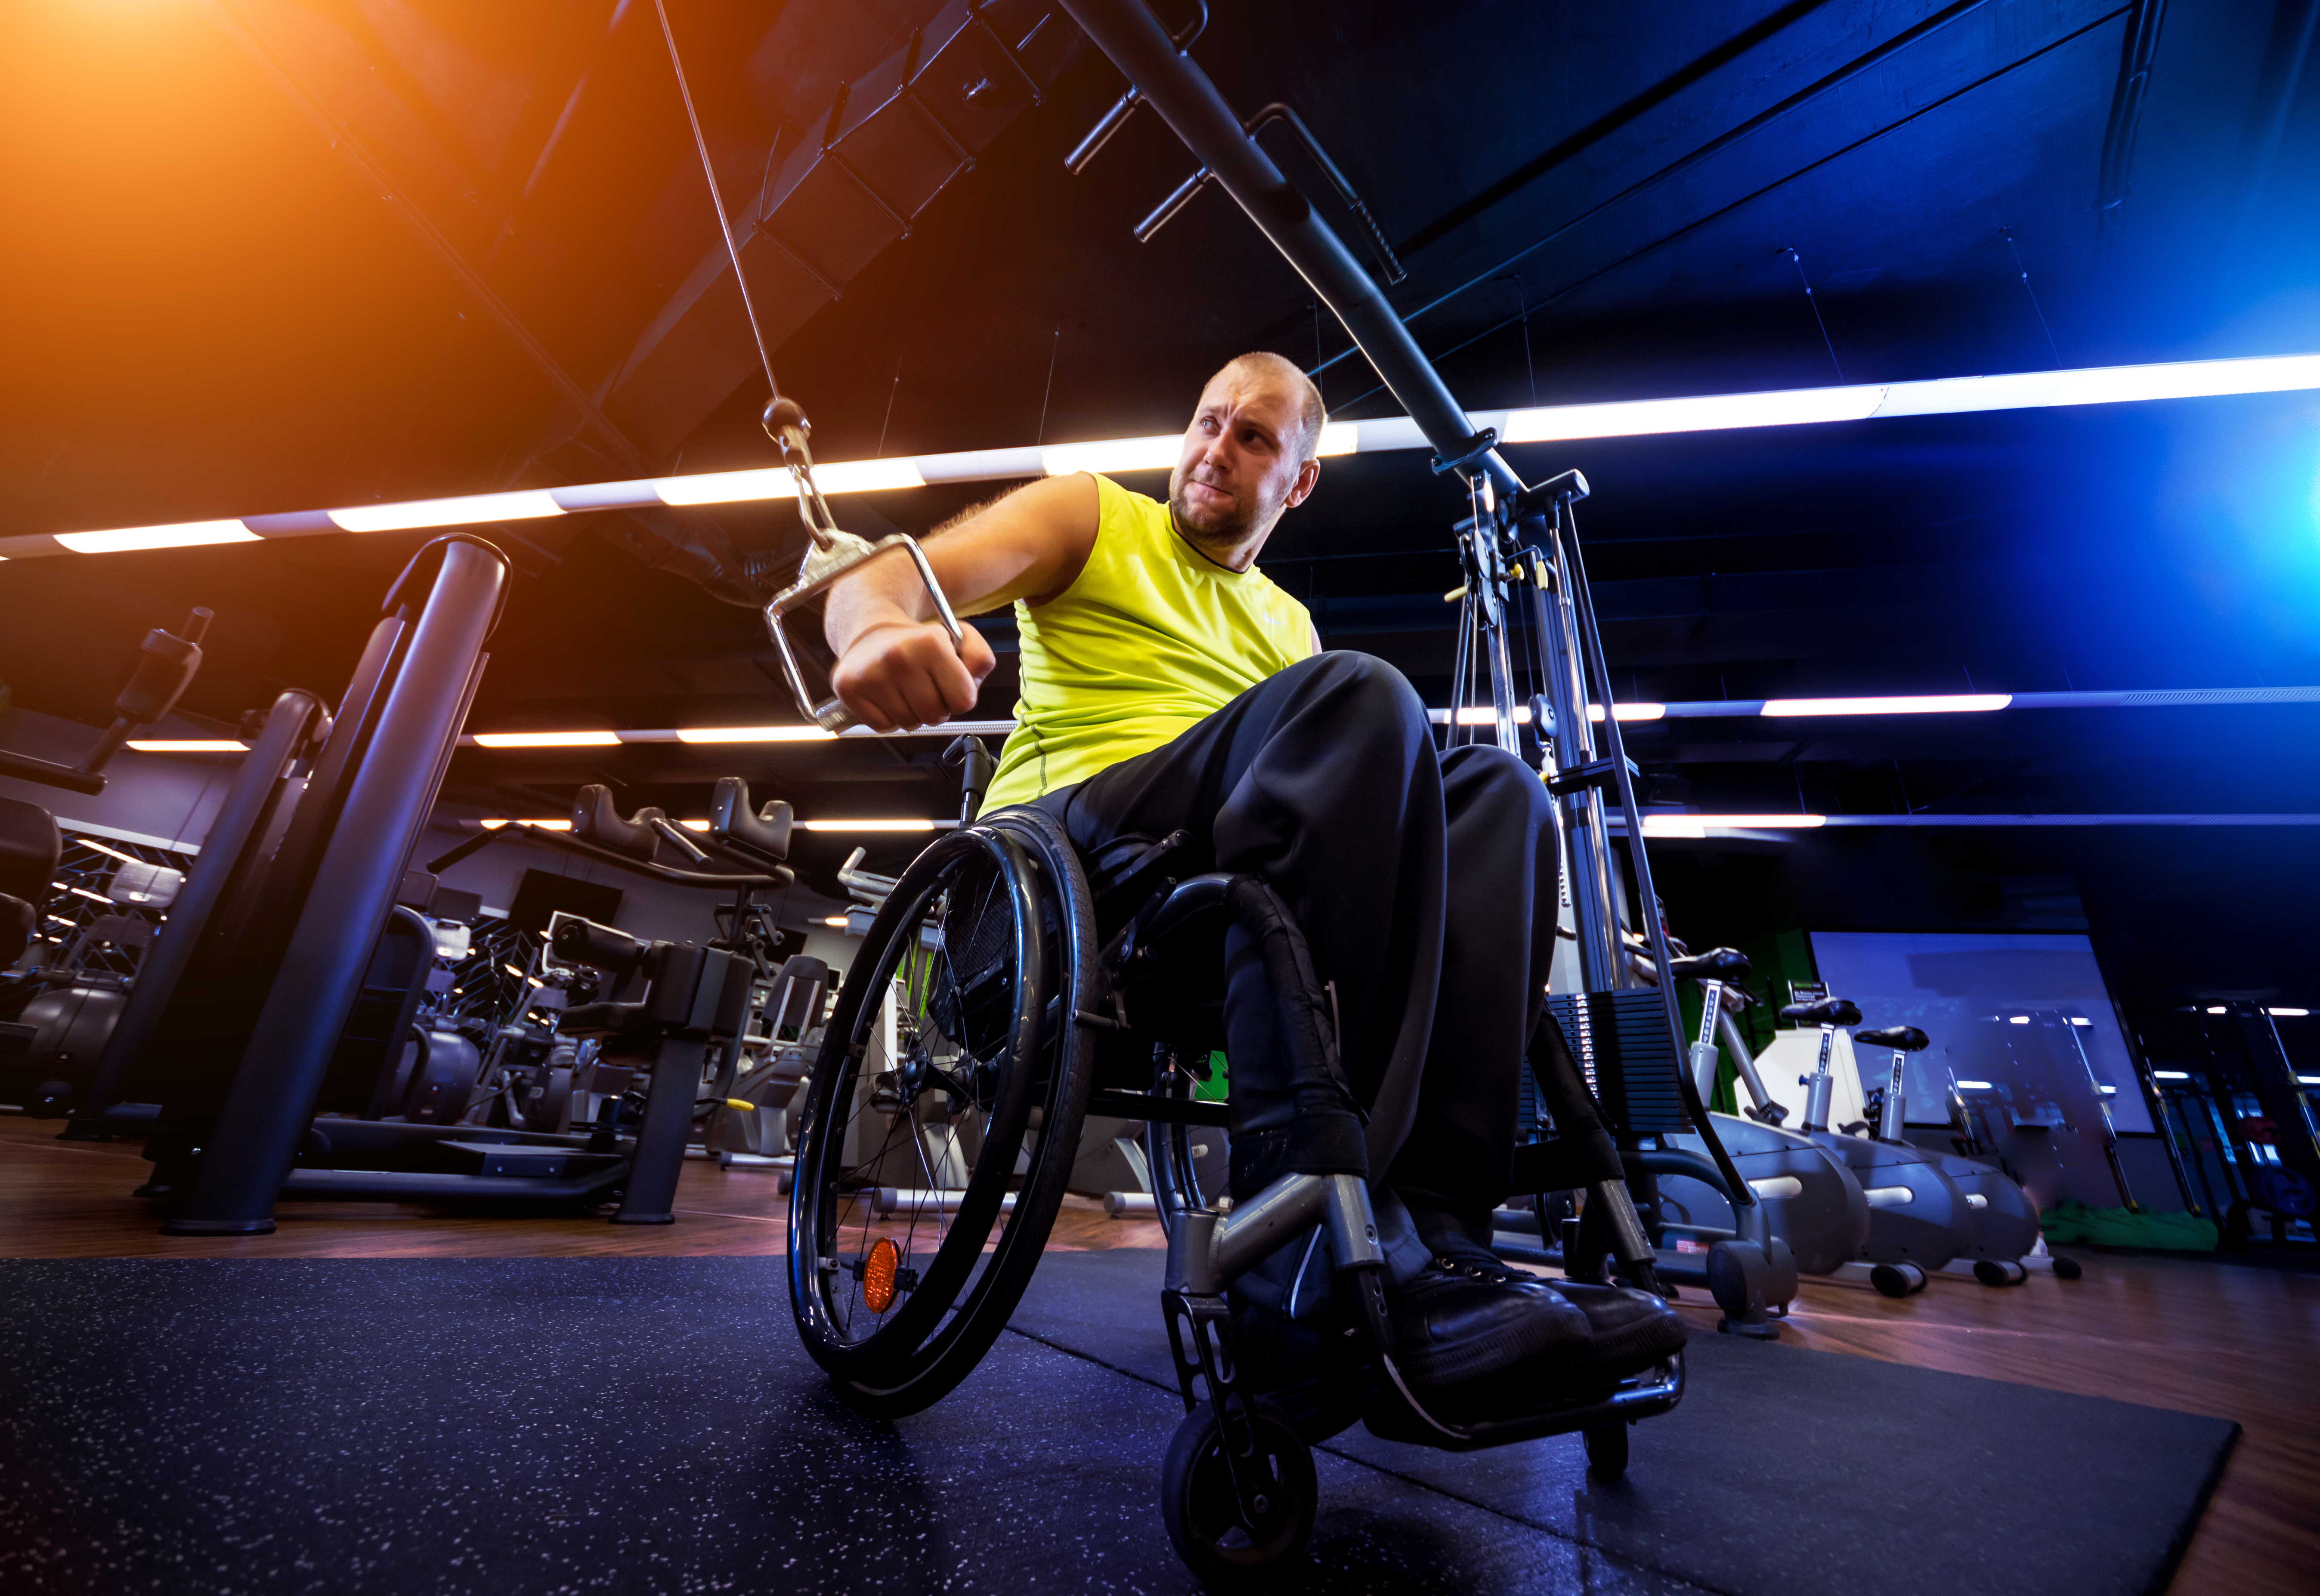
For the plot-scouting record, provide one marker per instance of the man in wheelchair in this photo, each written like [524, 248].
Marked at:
[1167, 684]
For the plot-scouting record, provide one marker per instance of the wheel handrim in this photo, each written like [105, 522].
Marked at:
[944, 1265]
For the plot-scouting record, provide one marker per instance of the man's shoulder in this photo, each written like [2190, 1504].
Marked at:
[1115, 500]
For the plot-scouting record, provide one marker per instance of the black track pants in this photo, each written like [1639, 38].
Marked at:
[1425, 884]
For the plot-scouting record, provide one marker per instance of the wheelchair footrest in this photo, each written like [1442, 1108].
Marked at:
[1391, 1417]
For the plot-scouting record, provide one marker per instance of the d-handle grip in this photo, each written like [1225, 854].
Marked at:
[821, 569]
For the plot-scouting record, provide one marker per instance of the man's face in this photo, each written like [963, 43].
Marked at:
[1240, 465]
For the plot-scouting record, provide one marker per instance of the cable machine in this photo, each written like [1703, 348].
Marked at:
[1518, 546]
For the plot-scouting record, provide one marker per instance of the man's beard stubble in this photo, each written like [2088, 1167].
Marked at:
[1217, 538]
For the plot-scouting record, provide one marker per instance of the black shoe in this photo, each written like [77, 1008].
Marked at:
[1467, 1316]
[1628, 1331]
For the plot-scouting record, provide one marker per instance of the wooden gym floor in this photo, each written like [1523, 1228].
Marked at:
[2240, 1342]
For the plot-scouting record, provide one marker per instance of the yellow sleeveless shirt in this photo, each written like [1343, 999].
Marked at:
[1151, 637]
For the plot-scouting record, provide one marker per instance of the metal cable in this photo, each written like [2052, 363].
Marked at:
[724, 223]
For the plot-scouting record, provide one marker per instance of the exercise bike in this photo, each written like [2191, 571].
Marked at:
[52, 1048]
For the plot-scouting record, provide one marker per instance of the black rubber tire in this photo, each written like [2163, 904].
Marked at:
[2066, 1268]
[1203, 1515]
[917, 1357]
[1890, 1281]
[1607, 1449]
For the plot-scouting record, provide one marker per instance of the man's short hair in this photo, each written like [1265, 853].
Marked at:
[1312, 415]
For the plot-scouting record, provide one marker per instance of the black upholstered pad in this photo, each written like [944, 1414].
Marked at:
[29, 849]
[1827, 1011]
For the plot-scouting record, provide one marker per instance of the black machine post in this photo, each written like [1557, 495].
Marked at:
[397, 772]
[227, 859]
[1504, 507]
[694, 995]
[1172, 85]
[975, 769]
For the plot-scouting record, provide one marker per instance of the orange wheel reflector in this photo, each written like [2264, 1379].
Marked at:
[878, 1274]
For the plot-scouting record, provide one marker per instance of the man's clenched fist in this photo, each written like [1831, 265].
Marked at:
[907, 673]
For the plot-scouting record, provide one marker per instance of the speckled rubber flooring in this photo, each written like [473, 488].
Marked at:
[652, 1425]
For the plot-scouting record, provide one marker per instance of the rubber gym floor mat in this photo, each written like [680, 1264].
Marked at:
[1785, 1472]
[606, 1425]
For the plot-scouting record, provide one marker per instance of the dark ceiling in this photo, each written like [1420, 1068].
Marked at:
[274, 254]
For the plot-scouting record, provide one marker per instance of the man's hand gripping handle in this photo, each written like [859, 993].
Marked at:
[832, 556]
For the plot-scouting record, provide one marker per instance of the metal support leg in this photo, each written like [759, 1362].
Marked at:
[650, 1198]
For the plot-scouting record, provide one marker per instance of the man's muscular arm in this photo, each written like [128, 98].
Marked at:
[896, 666]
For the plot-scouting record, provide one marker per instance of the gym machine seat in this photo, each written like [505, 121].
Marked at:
[762, 831]
[29, 850]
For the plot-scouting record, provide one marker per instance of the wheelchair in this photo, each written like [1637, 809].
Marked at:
[1005, 988]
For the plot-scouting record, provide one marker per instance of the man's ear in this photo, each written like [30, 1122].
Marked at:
[1307, 475]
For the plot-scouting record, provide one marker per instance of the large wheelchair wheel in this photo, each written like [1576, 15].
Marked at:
[949, 1093]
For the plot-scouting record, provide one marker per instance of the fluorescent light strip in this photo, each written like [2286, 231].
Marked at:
[2171, 1075]
[1113, 454]
[1933, 704]
[178, 535]
[2195, 697]
[1736, 822]
[715, 735]
[1636, 418]
[189, 745]
[1693, 709]
[743, 487]
[464, 512]
[874, 824]
[1656, 821]
[1475, 715]
[495, 823]
[2288, 1014]
[755, 734]
[547, 739]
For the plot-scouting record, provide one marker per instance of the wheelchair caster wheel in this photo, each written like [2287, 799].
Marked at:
[1203, 1513]
[2066, 1268]
[1607, 1450]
